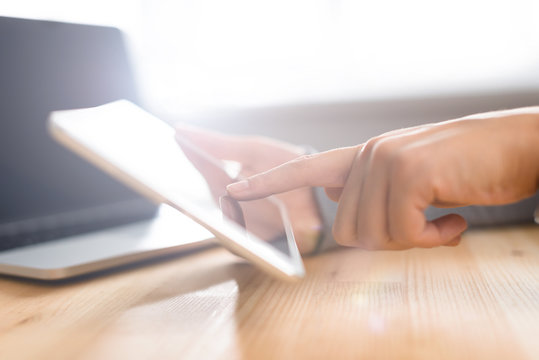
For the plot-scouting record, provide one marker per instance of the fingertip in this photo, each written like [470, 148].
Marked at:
[245, 190]
[238, 188]
[450, 228]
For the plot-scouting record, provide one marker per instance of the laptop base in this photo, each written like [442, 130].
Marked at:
[168, 233]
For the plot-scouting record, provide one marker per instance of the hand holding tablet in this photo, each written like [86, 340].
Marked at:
[140, 150]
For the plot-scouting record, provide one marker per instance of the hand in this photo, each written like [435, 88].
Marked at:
[385, 185]
[256, 154]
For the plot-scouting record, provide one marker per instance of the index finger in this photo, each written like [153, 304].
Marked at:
[327, 169]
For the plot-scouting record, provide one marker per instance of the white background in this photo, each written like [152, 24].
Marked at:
[200, 54]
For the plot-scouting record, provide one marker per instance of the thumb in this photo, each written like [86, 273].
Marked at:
[445, 230]
[450, 228]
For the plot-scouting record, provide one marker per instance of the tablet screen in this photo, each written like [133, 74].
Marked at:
[262, 218]
[141, 151]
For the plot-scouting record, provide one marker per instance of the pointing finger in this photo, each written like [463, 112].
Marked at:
[327, 169]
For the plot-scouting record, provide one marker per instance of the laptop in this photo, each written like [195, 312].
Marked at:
[60, 216]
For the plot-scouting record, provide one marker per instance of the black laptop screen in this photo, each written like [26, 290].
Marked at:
[47, 66]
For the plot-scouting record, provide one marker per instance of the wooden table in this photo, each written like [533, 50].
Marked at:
[477, 301]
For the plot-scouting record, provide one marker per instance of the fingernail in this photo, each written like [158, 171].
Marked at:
[239, 187]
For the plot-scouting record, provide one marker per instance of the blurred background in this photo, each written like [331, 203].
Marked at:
[250, 65]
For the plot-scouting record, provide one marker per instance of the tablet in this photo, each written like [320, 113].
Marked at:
[141, 151]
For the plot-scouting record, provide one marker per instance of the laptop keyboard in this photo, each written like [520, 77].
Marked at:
[39, 230]
[25, 239]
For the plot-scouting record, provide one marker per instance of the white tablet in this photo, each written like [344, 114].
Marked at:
[141, 151]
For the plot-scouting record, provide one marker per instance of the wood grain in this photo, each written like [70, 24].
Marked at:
[478, 300]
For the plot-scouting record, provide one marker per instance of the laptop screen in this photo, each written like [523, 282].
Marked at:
[46, 66]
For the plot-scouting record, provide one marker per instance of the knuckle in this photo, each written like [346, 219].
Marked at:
[384, 150]
[375, 141]
[371, 144]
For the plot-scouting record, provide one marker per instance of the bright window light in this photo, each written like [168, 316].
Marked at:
[214, 53]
